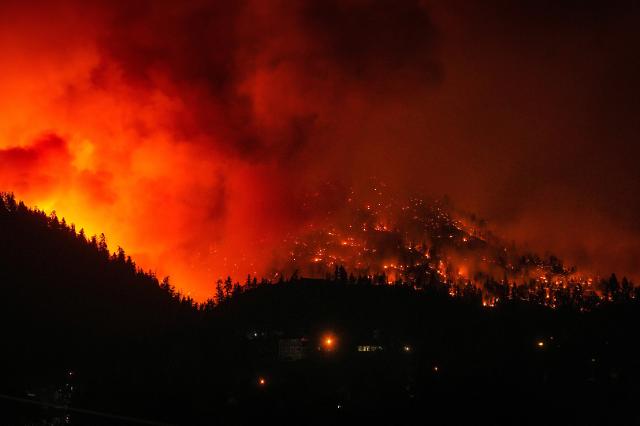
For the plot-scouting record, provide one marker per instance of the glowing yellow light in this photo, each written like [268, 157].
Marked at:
[262, 381]
[435, 368]
[540, 344]
[328, 342]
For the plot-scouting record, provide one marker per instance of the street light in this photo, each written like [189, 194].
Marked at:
[328, 342]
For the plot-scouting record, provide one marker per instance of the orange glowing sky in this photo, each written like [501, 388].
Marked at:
[191, 132]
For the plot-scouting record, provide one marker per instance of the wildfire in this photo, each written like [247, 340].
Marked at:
[396, 243]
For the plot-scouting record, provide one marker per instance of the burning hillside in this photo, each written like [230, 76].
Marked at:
[416, 240]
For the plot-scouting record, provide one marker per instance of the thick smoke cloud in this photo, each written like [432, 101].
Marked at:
[31, 168]
[197, 134]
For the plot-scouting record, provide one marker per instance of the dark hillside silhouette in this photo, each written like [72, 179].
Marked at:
[90, 339]
[68, 307]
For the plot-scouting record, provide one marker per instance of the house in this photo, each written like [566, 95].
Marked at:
[292, 349]
[369, 348]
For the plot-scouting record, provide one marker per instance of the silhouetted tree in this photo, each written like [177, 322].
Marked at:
[237, 289]
[613, 287]
[220, 297]
[228, 287]
[167, 287]
[626, 289]
[102, 244]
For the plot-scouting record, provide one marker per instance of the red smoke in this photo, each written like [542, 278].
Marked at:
[194, 133]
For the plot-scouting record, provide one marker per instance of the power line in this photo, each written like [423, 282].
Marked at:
[83, 411]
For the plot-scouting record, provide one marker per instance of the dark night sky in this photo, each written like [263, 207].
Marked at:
[186, 116]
